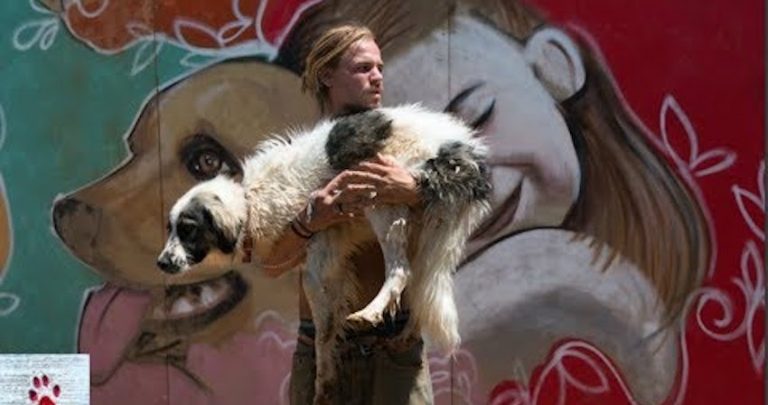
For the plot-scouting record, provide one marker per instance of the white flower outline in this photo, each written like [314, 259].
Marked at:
[45, 30]
[743, 196]
[556, 367]
[699, 164]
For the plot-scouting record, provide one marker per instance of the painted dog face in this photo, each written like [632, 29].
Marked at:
[192, 131]
[197, 129]
[204, 226]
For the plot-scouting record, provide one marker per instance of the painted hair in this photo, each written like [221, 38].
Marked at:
[631, 203]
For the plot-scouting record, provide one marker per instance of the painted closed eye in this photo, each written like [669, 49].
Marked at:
[472, 105]
[204, 158]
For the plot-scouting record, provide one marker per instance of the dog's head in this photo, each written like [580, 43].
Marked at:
[204, 225]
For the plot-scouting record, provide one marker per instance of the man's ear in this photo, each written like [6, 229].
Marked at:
[556, 61]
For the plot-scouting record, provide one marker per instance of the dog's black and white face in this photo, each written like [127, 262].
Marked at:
[204, 224]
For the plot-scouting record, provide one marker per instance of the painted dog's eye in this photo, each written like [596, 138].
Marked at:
[206, 164]
[205, 158]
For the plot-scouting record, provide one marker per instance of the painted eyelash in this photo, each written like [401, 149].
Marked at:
[455, 103]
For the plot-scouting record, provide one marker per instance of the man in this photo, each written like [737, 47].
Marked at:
[344, 72]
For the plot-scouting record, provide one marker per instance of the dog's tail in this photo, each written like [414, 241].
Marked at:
[430, 291]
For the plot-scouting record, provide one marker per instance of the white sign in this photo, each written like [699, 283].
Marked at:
[44, 379]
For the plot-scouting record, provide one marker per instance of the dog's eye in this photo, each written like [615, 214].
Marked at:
[186, 230]
[205, 158]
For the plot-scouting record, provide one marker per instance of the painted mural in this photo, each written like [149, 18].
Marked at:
[622, 263]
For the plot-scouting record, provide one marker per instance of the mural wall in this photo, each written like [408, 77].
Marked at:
[622, 263]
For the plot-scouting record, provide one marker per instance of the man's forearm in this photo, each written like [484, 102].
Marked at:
[288, 252]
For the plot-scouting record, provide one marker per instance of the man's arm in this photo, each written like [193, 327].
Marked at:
[378, 181]
[381, 180]
[290, 249]
[287, 253]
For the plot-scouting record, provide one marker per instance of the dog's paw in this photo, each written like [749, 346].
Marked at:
[365, 318]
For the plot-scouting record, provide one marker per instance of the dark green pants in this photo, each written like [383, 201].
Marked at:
[372, 371]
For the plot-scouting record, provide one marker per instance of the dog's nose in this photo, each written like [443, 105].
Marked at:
[165, 264]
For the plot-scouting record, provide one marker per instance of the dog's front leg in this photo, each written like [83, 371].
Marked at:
[389, 223]
[324, 287]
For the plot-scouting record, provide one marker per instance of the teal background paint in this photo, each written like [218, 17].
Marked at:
[67, 109]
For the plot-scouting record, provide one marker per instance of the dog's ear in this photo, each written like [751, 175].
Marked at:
[224, 226]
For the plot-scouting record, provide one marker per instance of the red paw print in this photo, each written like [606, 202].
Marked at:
[43, 392]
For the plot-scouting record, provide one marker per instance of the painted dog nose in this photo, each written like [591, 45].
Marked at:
[76, 224]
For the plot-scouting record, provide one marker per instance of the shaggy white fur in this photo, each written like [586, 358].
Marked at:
[421, 247]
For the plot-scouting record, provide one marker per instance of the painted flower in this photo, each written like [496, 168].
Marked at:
[111, 26]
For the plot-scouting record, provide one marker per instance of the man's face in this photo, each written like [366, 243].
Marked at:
[357, 81]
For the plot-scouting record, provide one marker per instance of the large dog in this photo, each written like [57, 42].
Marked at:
[210, 224]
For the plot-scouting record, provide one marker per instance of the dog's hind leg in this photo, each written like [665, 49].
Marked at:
[327, 290]
[389, 223]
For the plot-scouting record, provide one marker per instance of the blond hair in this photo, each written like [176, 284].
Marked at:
[326, 54]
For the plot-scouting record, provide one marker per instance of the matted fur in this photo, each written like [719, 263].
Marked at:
[277, 181]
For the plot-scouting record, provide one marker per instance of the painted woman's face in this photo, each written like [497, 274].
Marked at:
[487, 81]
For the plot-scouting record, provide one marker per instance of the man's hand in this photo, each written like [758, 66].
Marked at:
[378, 181]
[382, 180]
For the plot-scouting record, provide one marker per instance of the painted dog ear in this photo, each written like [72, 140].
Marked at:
[556, 61]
